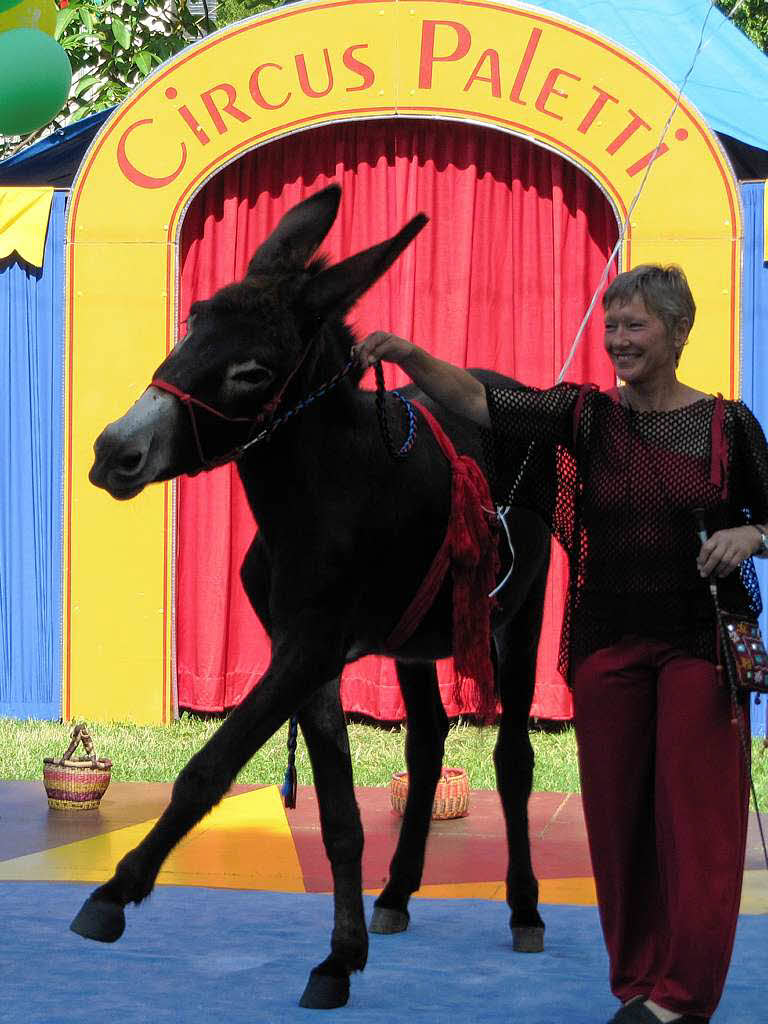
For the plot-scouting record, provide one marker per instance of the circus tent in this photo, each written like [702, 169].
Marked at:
[475, 296]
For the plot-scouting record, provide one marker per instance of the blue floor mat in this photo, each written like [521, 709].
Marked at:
[207, 955]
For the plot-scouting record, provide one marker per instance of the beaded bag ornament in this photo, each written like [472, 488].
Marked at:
[745, 654]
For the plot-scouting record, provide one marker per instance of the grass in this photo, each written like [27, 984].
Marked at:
[152, 753]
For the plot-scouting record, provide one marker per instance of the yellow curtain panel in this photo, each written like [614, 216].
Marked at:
[24, 216]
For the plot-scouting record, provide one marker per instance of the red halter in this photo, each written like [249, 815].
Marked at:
[190, 401]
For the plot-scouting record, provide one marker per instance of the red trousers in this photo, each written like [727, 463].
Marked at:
[665, 794]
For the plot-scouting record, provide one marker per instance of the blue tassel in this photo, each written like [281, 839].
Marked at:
[288, 789]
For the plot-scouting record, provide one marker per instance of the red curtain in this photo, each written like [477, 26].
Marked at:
[500, 278]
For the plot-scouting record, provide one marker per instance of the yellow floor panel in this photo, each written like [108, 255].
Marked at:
[754, 892]
[576, 892]
[244, 843]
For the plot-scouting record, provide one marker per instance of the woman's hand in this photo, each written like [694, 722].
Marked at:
[383, 346]
[725, 550]
[447, 384]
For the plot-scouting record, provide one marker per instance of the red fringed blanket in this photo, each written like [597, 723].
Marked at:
[470, 551]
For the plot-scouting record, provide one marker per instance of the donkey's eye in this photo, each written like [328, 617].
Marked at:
[249, 375]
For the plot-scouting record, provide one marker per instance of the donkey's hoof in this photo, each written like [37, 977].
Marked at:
[527, 938]
[325, 992]
[100, 920]
[387, 921]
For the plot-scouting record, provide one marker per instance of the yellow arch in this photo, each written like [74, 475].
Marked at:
[518, 69]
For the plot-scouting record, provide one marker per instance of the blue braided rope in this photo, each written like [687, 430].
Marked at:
[381, 411]
[288, 788]
[278, 421]
[408, 443]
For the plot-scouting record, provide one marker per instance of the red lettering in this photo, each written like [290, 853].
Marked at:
[548, 89]
[306, 88]
[494, 76]
[132, 173]
[594, 110]
[230, 94]
[428, 57]
[525, 66]
[254, 85]
[629, 131]
[649, 158]
[363, 70]
[197, 129]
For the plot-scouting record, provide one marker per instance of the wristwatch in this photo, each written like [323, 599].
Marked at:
[763, 549]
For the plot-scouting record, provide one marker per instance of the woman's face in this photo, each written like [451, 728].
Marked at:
[638, 344]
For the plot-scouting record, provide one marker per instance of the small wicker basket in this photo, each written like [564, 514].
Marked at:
[76, 784]
[451, 795]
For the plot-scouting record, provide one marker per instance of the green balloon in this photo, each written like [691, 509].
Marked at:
[6, 5]
[35, 76]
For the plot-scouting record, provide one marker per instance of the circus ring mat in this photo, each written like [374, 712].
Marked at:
[242, 912]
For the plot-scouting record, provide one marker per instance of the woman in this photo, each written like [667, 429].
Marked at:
[634, 471]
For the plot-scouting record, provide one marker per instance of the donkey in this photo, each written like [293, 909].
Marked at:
[346, 534]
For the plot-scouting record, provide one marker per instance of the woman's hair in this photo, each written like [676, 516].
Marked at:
[664, 290]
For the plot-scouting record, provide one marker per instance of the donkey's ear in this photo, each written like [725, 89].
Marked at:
[336, 290]
[300, 231]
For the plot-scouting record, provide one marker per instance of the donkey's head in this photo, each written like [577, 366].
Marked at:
[245, 349]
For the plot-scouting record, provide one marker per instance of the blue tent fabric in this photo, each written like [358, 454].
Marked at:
[31, 428]
[55, 159]
[754, 362]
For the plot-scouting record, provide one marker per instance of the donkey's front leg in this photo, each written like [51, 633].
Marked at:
[322, 723]
[299, 664]
[425, 742]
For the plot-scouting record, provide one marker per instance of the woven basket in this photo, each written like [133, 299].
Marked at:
[451, 795]
[76, 784]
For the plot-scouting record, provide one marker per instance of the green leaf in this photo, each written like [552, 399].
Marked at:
[81, 112]
[121, 33]
[68, 42]
[63, 18]
[86, 17]
[143, 61]
[84, 84]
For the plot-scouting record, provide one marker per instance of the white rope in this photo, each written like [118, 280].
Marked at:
[633, 204]
[501, 514]
[502, 511]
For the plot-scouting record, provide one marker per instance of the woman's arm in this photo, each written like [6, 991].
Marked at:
[726, 549]
[447, 384]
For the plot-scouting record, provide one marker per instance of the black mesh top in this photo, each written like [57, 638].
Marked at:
[618, 488]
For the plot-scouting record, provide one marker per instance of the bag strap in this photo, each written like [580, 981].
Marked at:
[724, 656]
[718, 467]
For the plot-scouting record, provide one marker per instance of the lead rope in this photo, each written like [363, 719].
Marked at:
[407, 445]
[723, 647]
[411, 437]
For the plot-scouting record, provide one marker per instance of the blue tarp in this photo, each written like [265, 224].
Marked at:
[31, 452]
[729, 84]
[754, 361]
[55, 159]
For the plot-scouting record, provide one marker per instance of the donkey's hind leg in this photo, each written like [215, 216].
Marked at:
[516, 646]
[324, 729]
[424, 745]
